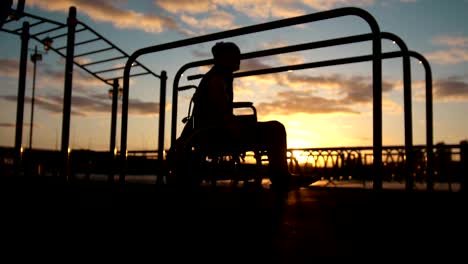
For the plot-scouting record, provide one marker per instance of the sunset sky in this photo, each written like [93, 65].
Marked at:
[321, 107]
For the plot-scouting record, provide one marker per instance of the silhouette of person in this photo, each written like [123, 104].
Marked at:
[214, 109]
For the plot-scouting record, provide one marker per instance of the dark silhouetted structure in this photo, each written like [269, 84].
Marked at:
[213, 111]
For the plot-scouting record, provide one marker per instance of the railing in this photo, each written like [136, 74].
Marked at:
[355, 163]
[312, 164]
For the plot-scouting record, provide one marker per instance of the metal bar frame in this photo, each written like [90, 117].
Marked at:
[81, 43]
[49, 30]
[93, 52]
[21, 92]
[71, 23]
[335, 13]
[69, 57]
[65, 34]
[405, 53]
[102, 61]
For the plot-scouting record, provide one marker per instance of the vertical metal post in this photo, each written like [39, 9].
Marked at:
[112, 149]
[21, 92]
[175, 95]
[71, 22]
[162, 121]
[429, 126]
[377, 108]
[115, 96]
[408, 113]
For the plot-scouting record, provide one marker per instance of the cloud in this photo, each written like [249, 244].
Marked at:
[322, 94]
[330, 4]
[51, 77]
[456, 51]
[87, 105]
[138, 107]
[252, 8]
[450, 56]
[201, 54]
[188, 6]
[453, 88]
[293, 102]
[9, 68]
[282, 10]
[215, 20]
[451, 41]
[7, 125]
[13, 125]
[55, 78]
[108, 11]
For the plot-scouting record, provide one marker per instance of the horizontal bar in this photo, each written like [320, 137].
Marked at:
[140, 74]
[8, 20]
[133, 75]
[37, 23]
[49, 30]
[102, 61]
[9, 31]
[186, 87]
[117, 48]
[81, 43]
[44, 19]
[195, 76]
[109, 70]
[310, 65]
[32, 25]
[93, 52]
[65, 34]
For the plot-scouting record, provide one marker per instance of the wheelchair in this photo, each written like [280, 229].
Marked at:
[207, 156]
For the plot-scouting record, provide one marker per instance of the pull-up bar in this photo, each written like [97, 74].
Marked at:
[320, 44]
[335, 13]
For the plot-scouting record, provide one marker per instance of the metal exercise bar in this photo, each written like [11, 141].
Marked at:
[21, 92]
[408, 124]
[110, 70]
[335, 13]
[65, 34]
[67, 94]
[79, 65]
[81, 43]
[102, 61]
[314, 45]
[119, 50]
[18, 30]
[429, 120]
[69, 69]
[84, 27]
[93, 52]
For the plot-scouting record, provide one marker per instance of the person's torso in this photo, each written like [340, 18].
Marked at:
[206, 110]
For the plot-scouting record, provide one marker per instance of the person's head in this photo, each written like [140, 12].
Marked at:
[227, 55]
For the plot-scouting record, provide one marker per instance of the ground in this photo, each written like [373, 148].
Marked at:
[223, 224]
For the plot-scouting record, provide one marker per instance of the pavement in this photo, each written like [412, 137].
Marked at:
[145, 222]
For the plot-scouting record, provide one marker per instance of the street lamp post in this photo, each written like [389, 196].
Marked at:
[34, 58]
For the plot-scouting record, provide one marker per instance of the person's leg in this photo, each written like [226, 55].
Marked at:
[272, 135]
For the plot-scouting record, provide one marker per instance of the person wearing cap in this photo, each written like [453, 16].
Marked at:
[214, 109]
